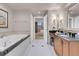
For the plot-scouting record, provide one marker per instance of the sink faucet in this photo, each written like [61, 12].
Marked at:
[1, 36]
[4, 44]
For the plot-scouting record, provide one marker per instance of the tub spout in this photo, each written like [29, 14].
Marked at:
[1, 36]
[4, 44]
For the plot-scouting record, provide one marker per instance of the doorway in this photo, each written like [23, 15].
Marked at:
[39, 28]
[45, 30]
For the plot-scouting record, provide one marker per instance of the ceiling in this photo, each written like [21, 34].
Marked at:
[36, 8]
[74, 10]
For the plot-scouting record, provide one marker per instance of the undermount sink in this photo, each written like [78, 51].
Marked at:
[63, 35]
[53, 31]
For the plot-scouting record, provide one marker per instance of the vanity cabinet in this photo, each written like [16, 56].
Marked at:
[58, 45]
[61, 46]
[74, 48]
[65, 48]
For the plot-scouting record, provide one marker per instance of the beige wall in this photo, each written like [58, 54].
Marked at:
[18, 21]
[21, 22]
[10, 20]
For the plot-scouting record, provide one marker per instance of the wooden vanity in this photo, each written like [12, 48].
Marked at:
[66, 47]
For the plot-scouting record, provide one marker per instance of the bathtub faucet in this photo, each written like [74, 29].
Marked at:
[5, 44]
[1, 36]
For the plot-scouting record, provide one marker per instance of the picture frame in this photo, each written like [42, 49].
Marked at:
[3, 19]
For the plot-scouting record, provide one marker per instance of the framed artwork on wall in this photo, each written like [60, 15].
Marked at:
[3, 19]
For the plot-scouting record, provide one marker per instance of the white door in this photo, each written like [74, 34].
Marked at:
[45, 28]
[32, 27]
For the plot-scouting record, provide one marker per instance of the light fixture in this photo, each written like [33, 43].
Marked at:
[71, 12]
[54, 16]
[39, 12]
[60, 17]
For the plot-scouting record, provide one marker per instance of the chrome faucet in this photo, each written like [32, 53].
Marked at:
[4, 44]
[1, 36]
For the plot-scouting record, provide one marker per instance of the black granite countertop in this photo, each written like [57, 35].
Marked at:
[68, 38]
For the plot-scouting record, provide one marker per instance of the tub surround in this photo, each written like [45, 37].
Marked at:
[8, 43]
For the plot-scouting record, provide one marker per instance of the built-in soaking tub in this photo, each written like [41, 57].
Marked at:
[13, 44]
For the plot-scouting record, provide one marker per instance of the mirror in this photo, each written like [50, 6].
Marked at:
[59, 20]
[73, 20]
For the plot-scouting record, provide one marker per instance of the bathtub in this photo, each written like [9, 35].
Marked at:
[10, 42]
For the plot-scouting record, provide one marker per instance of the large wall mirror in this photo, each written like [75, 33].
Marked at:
[3, 19]
[59, 20]
[73, 19]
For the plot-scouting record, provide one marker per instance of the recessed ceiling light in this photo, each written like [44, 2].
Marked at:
[71, 12]
[39, 12]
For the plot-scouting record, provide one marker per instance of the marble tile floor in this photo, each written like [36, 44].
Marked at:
[39, 48]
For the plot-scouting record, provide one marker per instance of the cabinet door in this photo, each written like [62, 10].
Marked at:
[55, 43]
[58, 45]
[74, 48]
[65, 48]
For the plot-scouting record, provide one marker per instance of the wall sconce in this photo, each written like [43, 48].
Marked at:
[60, 17]
[54, 16]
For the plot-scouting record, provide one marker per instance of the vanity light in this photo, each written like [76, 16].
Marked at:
[71, 12]
[39, 12]
[77, 33]
[53, 16]
[60, 17]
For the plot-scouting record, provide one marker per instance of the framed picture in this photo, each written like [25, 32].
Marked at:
[3, 19]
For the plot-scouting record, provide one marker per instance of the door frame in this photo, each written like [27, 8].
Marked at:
[33, 27]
